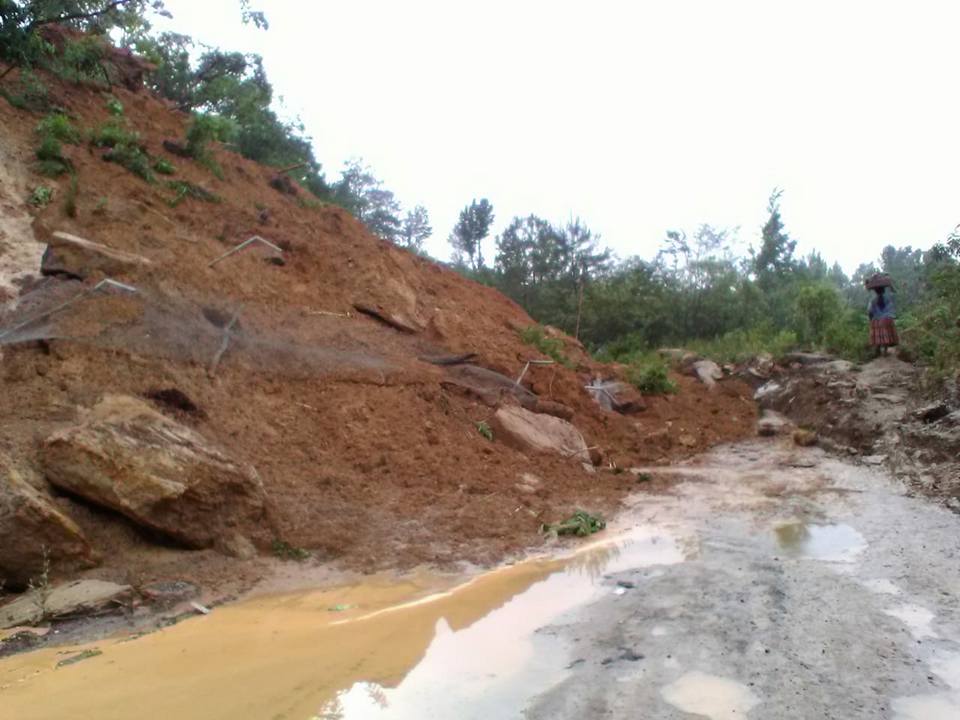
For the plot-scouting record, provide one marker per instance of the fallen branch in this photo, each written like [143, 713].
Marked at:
[241, 246]
[527, 367]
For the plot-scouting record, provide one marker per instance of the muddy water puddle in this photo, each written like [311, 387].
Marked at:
[829, 543]
[420, 647]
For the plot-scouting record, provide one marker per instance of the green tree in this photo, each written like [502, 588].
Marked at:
[471, 229]
[775, 258]
[364, 195]
[415, 229]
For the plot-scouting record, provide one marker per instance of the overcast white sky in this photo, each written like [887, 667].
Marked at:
[637, 116]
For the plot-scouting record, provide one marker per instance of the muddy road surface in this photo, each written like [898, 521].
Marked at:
[760, 581]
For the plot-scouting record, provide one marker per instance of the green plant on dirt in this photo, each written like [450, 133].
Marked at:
[58, 126]
[114, 107]
[31, 93]
[82, 61]
[41, 196]
[164, 167]
[536, 336]
[286, 551]
[70, 199]
[644, 477]
[50, 159]
[124, 148]
[581, 524]
[183, 189]
[53, 130]
[202, 131]
[39, 586]
[101, 207]
[484, 429]
[651, 377]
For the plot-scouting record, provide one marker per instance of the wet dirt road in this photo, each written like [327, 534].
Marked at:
[766, 582]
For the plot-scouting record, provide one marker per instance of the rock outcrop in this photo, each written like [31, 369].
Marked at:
[32, 531]
[161, 474]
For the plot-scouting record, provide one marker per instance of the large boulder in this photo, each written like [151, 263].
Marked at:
[525, 430]
[78, 257]
[163, 475]
[33, 531]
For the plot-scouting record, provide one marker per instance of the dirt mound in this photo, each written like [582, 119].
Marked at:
[369, 448]
[879, 413]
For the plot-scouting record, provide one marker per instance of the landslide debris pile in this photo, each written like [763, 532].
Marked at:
[171, 385]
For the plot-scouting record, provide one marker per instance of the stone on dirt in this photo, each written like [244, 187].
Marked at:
[30, 526]
[77, 257]
[772, 423]
[804, 438]
[525, 430]
[551, 407]
[707, 372]
[161, 474]
[617, 396]
[79, 597]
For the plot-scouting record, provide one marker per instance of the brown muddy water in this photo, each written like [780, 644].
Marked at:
[418, 647]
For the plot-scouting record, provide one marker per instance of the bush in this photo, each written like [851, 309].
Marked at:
[741, 345]
[202, 131]
[536, 336]
[115, 107]
[33, 94]
[651, 377]
[41, 196]
[125, 148]
[164, 167]
[82, 61]
[51, 163]
[184, 189]
[58, 126]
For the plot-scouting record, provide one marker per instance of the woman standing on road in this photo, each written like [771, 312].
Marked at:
[883, 330]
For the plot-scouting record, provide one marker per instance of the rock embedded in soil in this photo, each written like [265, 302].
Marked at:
[78, 257]
[161, 474]
[617, 396]
[79, 597]
[707, 372]
[804, 438]
[30, 527]
[525, 430]
[772, 423]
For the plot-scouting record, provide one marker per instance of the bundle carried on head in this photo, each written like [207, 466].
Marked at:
[878, 280]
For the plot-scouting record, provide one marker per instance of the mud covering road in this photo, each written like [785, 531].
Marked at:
[759, 581]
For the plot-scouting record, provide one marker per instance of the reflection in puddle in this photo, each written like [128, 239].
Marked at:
[882, 586]
[412, 648]
[933, 707]
[492, 667]
[715, 697]
[941, 706]
[917, 619]
[831, 543]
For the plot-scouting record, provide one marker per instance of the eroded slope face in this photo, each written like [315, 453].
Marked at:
[318, 358]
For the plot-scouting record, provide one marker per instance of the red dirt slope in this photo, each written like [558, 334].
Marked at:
[370, 456]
